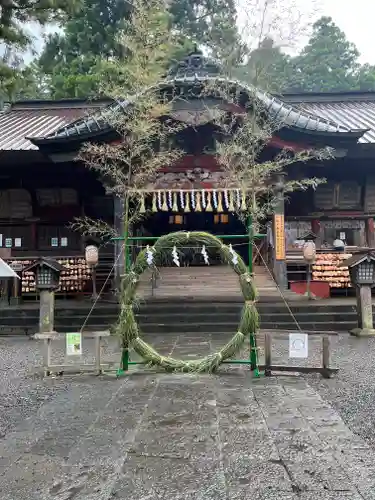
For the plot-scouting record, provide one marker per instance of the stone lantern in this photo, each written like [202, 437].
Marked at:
[362, 276]
[47, 277]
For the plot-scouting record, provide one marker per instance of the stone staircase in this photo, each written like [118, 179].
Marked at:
[204, 300]
[202, 283]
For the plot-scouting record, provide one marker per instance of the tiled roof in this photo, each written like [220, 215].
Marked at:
[325, 113]
[38, 118]
[351, 110]
[291, 115]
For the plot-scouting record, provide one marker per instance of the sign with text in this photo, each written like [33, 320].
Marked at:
[279, 236]
[73, 344]
[298, 345]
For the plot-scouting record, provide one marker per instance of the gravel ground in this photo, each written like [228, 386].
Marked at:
[351, 392]
[22, 388]
[165, 436]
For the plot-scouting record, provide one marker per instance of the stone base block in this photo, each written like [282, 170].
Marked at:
[363, 332]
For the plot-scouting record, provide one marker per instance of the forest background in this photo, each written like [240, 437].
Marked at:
[252, 42]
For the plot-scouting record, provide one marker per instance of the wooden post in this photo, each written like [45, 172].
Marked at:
[98, 355]
[47, 357]
[46, 323]
[93, 279]
[279, 262]
[267, 354]
[326, 354]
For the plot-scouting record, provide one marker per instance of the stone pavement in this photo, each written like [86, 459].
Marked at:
[158, 436]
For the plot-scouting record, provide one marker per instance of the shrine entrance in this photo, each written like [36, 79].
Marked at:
[219, 224]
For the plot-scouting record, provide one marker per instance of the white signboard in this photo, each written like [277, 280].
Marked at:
[298, 345]
[73, 344]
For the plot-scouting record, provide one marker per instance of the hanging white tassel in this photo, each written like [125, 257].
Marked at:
[175, 256]
[203, 199]
[226, 199]
[193, 200]
[182, 200]
[234, 255]
[170, 202]
[160, 202]
[205, 255]
[214, 199]
[238, 199]
[149, 256]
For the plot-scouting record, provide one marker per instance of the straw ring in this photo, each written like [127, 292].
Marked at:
[127, 326]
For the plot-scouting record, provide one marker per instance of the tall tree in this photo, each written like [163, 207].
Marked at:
[80, 59]
[267, 67]
[16, 36]
[269, 28]
[15, 15]
[75, 60]
[329, 62]
[211, 23]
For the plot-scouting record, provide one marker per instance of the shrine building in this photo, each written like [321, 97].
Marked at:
[43, 187]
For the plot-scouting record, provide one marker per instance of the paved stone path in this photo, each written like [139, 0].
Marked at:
[171, 437]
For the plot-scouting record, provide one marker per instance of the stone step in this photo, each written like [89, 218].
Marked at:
[167, 307]
[184, 328]
[201, 282]
[208, 315]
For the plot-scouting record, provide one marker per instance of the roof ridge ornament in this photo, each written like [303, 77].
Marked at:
[195, 65]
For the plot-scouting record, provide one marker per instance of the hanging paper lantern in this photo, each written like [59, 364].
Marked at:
[309, 251]
[91, 255]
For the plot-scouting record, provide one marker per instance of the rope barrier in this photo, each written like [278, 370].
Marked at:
[280, 292]
[101, 290]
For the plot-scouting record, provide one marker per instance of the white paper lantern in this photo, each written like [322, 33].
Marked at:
[91, 255]
[309, 251]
